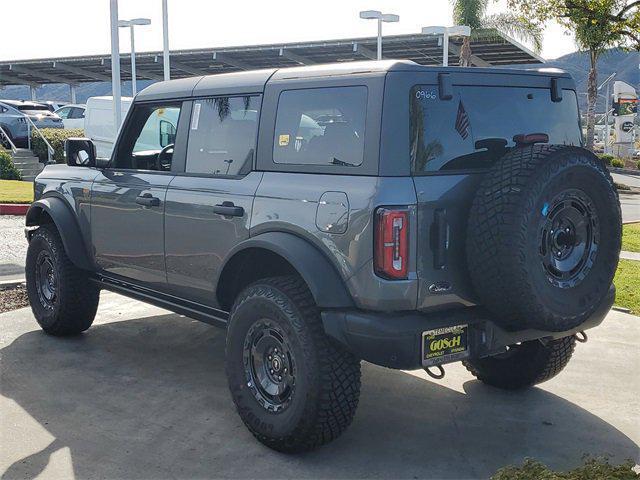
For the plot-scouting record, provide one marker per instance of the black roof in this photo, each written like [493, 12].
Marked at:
[255, 80]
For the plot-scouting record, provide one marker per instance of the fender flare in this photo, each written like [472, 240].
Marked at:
[325, 283]
[67, 226]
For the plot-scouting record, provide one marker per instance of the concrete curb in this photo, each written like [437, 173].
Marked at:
[5, 284]
[14, 208]
[625, 171]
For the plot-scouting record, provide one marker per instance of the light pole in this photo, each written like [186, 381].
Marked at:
[165, 40]
[131, 25]
[380, 17]
[115, 65]
[446, 32]
[607, 130]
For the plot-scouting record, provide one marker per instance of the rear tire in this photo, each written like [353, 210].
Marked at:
[544, 236]
[63, 300]
[523, 365]
[293, 387]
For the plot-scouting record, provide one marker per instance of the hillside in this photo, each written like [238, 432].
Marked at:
[577, 63]
[626, 64]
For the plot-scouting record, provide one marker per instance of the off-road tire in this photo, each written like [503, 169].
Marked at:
[506, 232]
[76, 301]
[327, 380]
[523, 365]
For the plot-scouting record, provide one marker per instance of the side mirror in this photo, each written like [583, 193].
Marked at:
[80, 152]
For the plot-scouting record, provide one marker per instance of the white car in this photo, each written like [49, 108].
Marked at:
[72, 115]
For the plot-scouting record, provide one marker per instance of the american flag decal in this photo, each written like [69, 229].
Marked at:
[462, 122]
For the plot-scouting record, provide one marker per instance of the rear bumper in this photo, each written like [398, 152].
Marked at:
[394, 340]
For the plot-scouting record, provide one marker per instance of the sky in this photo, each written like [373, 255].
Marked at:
[48, 28]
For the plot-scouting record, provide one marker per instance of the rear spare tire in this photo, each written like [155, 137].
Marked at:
[544, 236]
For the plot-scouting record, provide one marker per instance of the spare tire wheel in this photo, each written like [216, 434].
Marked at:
[544, 237]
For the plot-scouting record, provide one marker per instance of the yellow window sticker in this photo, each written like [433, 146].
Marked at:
[283, 140]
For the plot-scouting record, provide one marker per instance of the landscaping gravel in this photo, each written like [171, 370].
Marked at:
[12, 298]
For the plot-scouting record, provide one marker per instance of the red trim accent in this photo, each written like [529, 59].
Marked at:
[14, 208]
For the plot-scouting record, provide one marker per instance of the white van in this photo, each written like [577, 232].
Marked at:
[98, 123]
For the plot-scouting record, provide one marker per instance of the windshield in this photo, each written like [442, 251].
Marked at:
[477, 126]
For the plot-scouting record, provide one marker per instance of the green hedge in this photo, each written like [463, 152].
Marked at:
[616, 162]
[56, 137]
[8, 170]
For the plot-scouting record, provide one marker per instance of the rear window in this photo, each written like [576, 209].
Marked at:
[477, 126]
[321, 126]
[32, 108]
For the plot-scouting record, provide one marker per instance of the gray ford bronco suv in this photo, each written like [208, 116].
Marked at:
[406, 215]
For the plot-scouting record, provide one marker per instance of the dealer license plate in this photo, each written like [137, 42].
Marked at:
[444, 345]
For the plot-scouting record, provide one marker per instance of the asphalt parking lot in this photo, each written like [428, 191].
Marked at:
[142, 394]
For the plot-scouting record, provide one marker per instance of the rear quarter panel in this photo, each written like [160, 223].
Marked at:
[289, 202]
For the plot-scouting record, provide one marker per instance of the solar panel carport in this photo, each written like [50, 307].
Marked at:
[489, 47]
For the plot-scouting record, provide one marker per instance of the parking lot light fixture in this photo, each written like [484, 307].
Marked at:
[380, 17]
[131, 24]
[446, 32]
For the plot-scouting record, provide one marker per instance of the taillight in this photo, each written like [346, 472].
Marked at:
[391, 243]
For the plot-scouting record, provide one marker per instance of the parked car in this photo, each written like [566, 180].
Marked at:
[98, 122]
[406, 215]
[14, 123]
[72, 115]
[51, 105]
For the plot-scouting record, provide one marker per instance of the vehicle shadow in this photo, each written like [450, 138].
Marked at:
[147, 398]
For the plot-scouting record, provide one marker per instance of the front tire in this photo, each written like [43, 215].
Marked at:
[63, 300]
[293, 387]
[523, 365]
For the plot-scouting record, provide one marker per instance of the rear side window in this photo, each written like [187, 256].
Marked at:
[477, 126]
[321, 126]
[76, 113]
[222, 135]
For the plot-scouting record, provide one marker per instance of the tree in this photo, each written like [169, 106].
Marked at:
[597, 25]
[473, 14]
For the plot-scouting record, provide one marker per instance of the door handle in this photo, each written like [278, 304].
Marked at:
[148, 200]
[228, 209]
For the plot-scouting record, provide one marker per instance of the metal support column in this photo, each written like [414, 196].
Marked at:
[165, 40]
[115, 66]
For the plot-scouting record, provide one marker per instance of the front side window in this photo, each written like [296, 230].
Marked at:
[148, 138]
[64, 112]
[222, 135]
[321, 126]
[477, 126]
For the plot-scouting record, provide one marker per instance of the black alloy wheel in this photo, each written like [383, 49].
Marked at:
[269, 365]
[569, 238]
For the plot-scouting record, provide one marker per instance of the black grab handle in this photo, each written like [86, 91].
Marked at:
[147, 200]
[228, 209]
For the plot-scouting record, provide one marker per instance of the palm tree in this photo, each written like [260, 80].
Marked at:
[474, 14]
